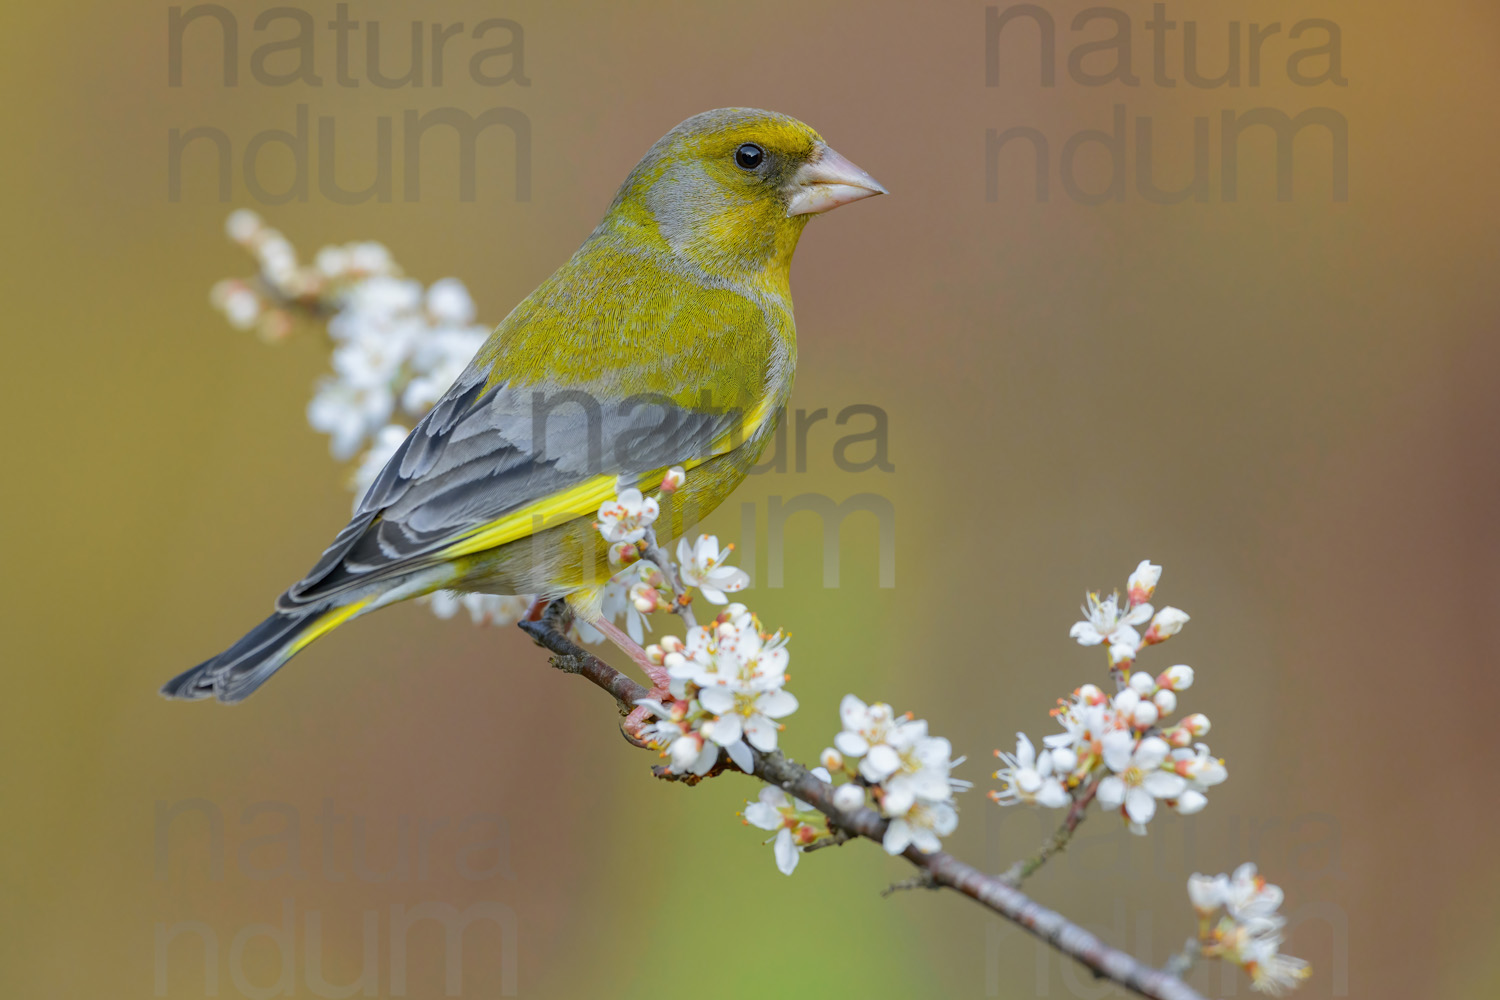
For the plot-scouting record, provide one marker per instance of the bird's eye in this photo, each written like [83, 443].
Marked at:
[749, 156]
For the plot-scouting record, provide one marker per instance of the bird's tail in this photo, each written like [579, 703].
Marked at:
[234, 674]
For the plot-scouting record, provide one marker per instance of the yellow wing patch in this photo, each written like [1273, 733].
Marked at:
[326, 623]
[581, 500]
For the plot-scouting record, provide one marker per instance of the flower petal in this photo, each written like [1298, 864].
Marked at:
[740, 754]
[1117, 748]
[724, 730]
[776, 704]
[1164, 784]
[1111, 792]
[852, 712]
[762, 815]
[787, 854]
[761, 732]
[1139, 805]
[897, 837]
[1152, 751]
[716, 699]
[851, 744]
[882, 761]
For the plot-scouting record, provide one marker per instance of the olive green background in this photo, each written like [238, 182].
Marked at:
[1291, 405]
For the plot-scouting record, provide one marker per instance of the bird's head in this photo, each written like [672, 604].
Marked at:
[730, 190]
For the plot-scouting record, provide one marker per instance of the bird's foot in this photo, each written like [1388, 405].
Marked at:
[635, 723]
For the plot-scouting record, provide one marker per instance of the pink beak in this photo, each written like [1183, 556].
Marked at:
[827, 181]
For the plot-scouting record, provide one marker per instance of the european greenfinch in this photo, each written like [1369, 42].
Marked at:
[665, 340]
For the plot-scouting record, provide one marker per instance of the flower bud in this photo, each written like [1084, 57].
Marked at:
[1167, 623]
[1190, 802]
[1090, 694]
[654, 654]
[1122, 654]
[1178, 678]
[685, 750]
[849, 797]
[832, 759]
[1142, 683]
[1143, 582]
[1166, 701]
[1178, 736]
[243, 225]
[1145, 715]
[672, 644]
[1206, 893]
[673, 480]
[1126, 701]
[1197, 724]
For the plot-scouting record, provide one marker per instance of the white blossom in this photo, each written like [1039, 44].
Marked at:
[1270, 971]
[1248, 931]
[243, 225]
[483, 609]
[731, 679]
[1138, 780]
[1207, 893]
[910, 769]
[448, 301]
[788, 817]
[1105, 621]
[1029, 778]
[1248, 895]
[922, 825]
[1198, 767]
[867, 730]
[702, 566]
[627, 516]
[922, 771]
[750, 714]
[437, 361]
[349, 414]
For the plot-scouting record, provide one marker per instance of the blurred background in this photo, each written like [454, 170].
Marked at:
[1289, 403]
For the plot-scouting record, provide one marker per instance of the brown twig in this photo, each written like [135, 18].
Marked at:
[1180, 963]
[921, 880]
[1026, 867]
[681, 599]
[837, 837]
[938, 869]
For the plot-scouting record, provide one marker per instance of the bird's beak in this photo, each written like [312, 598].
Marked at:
[827, 181]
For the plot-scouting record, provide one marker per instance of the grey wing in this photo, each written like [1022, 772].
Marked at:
[482, 453]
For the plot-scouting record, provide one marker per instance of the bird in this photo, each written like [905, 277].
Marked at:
[666, 340]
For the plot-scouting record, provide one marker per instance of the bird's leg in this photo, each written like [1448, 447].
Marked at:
[660, 679]
[657, 674]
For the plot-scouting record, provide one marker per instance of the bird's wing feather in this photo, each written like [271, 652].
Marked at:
[489, 463]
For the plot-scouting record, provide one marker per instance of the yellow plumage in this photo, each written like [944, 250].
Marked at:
[666, 339]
